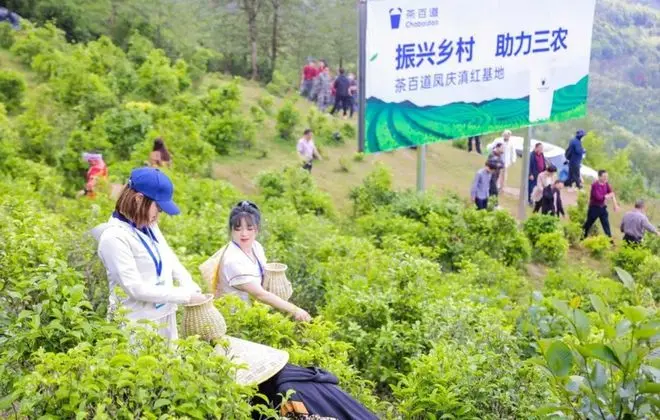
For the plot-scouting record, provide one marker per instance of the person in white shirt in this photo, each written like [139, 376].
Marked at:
[307, 150]
[138, 259]
[241, 267]
[509, 157]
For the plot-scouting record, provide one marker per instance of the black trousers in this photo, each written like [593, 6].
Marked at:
[481, 204]
[477, 143]
[594, 213]
[574, 176]
[632, 240]
[344, 103]
[308, 167]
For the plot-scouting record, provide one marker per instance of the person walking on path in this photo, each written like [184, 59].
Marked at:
[551, 202]
[537, 164]
[307, 150]
[477, 143]
[635, 223]
[497, 158]
[481, 185]
[353, 91]
[544, 181]
[342, 86]
[601, 191]
[574, 154]
[509, 158]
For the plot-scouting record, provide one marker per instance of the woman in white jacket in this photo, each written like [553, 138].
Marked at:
[509, 158]
[137, 258]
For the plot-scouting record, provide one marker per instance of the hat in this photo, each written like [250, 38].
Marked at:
[92, 156]
[156, 186]
[256, 363]
[580, 133]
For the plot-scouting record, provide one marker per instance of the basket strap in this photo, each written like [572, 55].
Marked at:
[217, 273]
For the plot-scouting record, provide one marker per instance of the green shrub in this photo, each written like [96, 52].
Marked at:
[157, 80]
[551, 248]
[648, 274]
[586, 367]
[139, 48]
[133, 375]
[573, 232]
[266, 102]
[598, 246]
[6, 35]
[375, 191]
[287, 120]
[298, 188]
[12, 89]
[460, 144]
[567, 282]
[258, 115]
[539, 224]
[358, 157]
[630, 258]
[344, 164]
[229, 132]
[124, 127]
[278, 85]
[348, 131]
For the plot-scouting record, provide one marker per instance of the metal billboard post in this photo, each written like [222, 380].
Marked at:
[362, 69]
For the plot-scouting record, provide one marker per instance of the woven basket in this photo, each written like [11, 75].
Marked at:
[204, 320]
[275, 280]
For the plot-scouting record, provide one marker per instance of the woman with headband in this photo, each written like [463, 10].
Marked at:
[242, 262]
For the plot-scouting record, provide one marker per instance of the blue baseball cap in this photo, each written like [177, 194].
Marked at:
[580, 133]
[156, 186]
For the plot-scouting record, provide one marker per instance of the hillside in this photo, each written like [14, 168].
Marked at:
[423, 307]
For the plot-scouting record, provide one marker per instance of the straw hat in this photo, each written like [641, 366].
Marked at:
[275, 280]
[256, 363]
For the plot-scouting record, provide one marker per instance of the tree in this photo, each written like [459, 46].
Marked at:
[251, 9]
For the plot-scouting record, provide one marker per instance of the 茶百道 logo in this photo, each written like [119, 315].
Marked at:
[413, 18]
[395, 17]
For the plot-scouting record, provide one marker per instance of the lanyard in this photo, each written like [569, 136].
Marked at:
[158, 261]
[261, 269]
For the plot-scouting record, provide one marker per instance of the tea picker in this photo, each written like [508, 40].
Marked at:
[240, 268]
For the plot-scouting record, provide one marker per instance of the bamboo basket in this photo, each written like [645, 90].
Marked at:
[275, 280]
[203, 319]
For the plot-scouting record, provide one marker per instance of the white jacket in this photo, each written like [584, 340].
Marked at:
[509, 156]
[130, 266]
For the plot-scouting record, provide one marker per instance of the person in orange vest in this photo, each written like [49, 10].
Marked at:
[97, 169]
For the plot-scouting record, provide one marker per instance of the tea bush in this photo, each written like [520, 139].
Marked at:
[6, 35]
[598, 246]
[630, 258]
[551, 248]
[538, 224]
[12, 89]
[287, 120]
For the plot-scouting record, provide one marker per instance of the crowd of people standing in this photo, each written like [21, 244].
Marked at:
[321, 87]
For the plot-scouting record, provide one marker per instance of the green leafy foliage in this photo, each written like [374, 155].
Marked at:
[287, 120]
[598, 246]
[12, 89]
[539, 224]
[551, 248]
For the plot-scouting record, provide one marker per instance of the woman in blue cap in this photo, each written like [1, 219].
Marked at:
[137, 258]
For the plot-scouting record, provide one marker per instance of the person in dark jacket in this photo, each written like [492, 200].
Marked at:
[537, 164]
[601, 192]
[316, 393]
[497, 158]
[342, 87]
[477, 143]
[551, 201]
[574, 154]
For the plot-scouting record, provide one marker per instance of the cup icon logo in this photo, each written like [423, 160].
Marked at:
[395, 17]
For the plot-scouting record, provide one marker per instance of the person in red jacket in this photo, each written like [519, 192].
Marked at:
[601, 191]
[97, 169]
